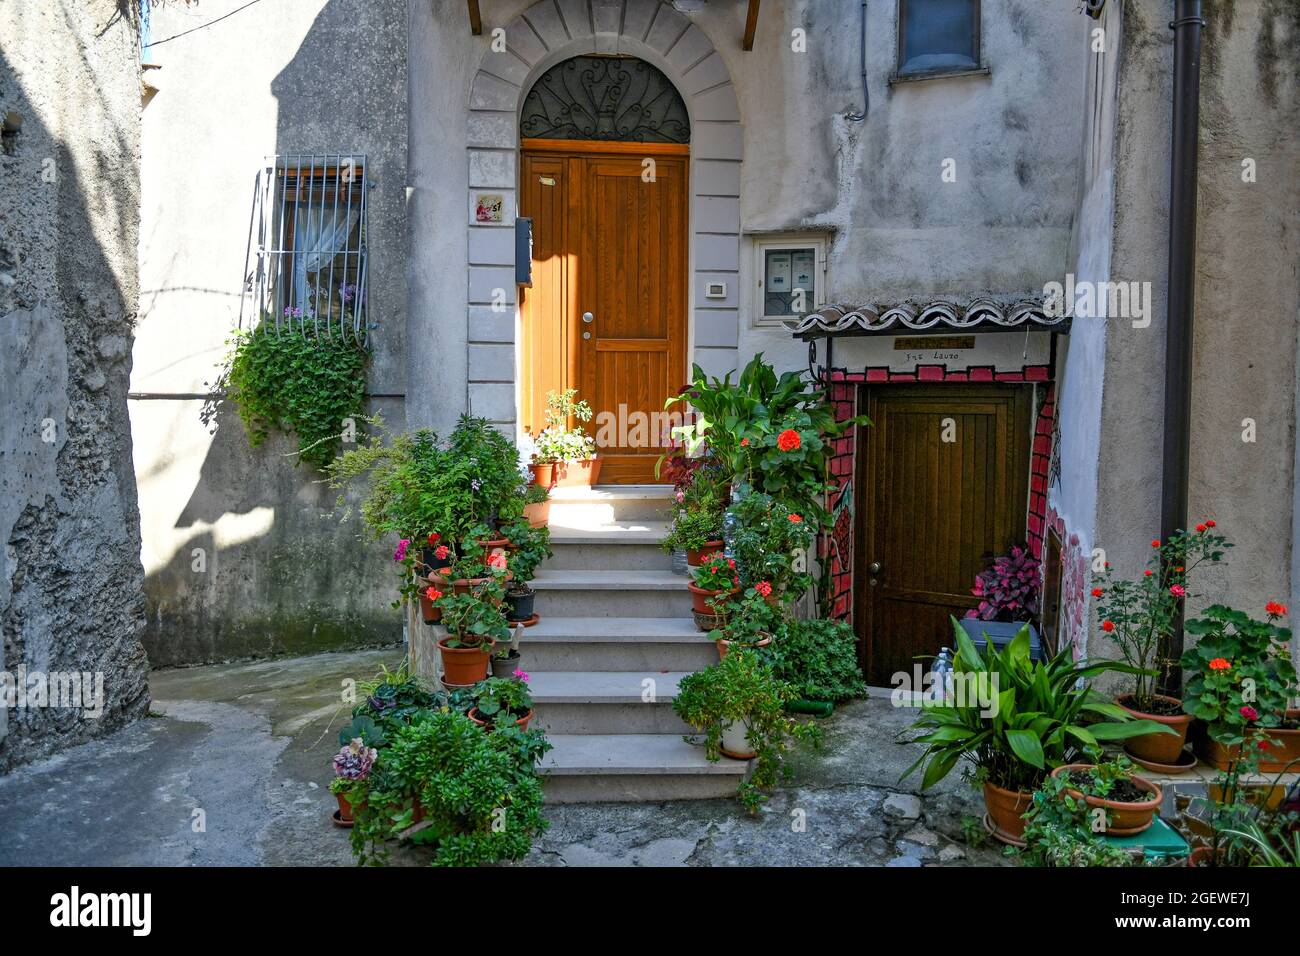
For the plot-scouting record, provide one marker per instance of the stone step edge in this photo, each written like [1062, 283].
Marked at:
[629, 758]
[627, 630]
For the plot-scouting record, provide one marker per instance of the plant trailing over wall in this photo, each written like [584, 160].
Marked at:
[297, 380]
[1008, 588]
[742, 689]
[820, 659]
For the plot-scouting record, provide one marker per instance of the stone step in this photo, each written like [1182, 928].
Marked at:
[628, 545]
[606, 702]
[601, 593]
[606, 504]
[634, 767]
[647, 644]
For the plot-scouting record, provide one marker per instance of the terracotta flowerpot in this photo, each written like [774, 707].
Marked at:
[1284, 747]
[1203, 856]
[1126, 818]
[1005, 808]
[465, 585]
[724, 644]
[696, 557]
[538, 514]
[1158, 748]
[492, 545]
[521, 723]
[577, 474]
[543, 474]
[700, 598]
[464, 665]
[345, 808]
[735, 741]
[431, 613]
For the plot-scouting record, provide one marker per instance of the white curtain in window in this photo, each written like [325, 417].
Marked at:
[320, 233]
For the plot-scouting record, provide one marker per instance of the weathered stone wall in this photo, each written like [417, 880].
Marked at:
[1244, 355]
[240, 559]
[70, 574]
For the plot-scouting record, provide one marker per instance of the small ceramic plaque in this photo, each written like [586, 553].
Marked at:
[488, 206]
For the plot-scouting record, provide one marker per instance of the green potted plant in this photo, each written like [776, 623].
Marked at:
[711, 586]
[820, 658]
[1016, 719]
[351, 764]
[501, 701]
[1240, 681]
[528, 547]
[749, 623]
[770, 544]
[739, 706]
[1059, 832]
[570, 451]
[474, 622]
[443, 782]
[1138, 616]
[1130, 802]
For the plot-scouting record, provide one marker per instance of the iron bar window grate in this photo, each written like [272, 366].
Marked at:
[306, 260]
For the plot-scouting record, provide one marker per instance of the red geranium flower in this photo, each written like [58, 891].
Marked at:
[1108, 626]
[433, 538]
[433, 594]
[1220, 664]
[498, 560]
[1274, 609]
[1201, 528]
[1177, 590]
[1209, 524]
[796, 518]
[441, 552]
[1155, 542]
[788, 440]
[1250, 713]
[1097, 592]
[744, 443]
[763, 588]
[1146, 574]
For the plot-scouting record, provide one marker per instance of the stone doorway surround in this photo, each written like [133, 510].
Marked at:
[541, 36]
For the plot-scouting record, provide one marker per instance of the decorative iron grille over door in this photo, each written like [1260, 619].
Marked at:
[605, 98]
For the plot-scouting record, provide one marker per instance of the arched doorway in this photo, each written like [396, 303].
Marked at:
[604, 153]
[536, 40]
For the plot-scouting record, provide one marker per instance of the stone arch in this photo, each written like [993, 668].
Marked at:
[546, 33]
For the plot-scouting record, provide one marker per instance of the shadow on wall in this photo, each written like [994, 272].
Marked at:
[70, 574]
[256, 566]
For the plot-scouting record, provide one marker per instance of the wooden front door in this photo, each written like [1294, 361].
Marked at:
[943, 473]
[606, 313]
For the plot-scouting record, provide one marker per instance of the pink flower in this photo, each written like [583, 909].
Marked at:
[400, 553]
[1250, 713]
[1177, 590]
[522, 675]
[497, 561]
[441, 552]
[763, 588]
[681, 496]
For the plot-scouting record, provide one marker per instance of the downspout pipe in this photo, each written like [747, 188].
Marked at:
[1187, 26]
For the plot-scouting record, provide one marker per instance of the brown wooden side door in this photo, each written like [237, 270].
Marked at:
[935, 510]
[607, 310]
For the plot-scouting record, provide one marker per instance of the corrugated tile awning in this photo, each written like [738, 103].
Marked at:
[979, 315]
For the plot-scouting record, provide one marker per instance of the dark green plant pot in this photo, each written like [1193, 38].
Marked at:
[520, 606]
[818, 708]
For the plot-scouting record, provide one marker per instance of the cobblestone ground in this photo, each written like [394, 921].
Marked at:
[233, 768]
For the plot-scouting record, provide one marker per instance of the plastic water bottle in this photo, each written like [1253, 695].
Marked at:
[941, 676]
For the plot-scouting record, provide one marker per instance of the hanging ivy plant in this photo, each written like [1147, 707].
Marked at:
[298, 381]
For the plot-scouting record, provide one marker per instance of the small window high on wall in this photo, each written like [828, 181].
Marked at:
[938, 36]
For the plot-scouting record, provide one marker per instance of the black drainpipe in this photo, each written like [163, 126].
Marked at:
[1187, 25]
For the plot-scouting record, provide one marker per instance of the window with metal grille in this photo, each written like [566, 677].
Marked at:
[938, 36]
[306, 263]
